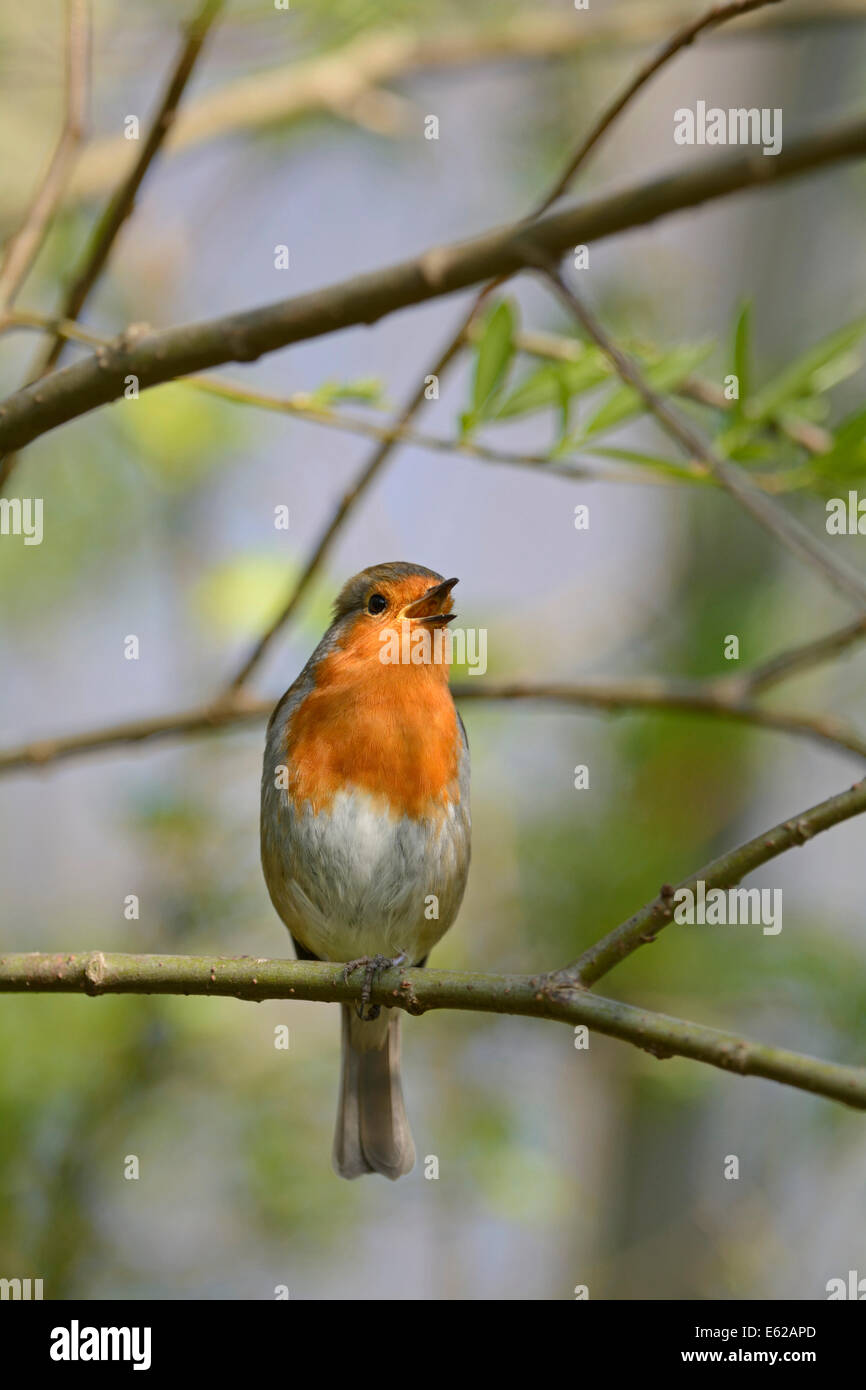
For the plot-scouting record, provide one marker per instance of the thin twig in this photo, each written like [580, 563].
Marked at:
[715, 699]
[563, 466]
[122, 202]
[710, 19]
[661, 696]
[23, 247]
[802, 658]
[724, 872]
[96, 973]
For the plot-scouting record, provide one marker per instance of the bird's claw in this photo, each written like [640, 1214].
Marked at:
[372, 966]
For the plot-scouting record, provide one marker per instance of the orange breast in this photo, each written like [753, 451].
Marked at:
[388, 730]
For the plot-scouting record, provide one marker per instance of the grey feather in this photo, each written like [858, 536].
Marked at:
[372, 1134]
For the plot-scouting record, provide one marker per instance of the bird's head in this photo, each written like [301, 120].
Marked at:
[388, 604]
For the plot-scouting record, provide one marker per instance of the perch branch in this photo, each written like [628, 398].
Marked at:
[94, 973]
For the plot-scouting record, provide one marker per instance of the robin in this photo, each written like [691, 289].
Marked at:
[365, 825]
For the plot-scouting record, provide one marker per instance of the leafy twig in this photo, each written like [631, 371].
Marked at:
[790, 532]
[554, 347]
[548, 346]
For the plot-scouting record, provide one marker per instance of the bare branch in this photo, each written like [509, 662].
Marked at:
[95, 973]
[715, 698]
[122, 202]
[724, 872]
[802, 658]
[201, 719]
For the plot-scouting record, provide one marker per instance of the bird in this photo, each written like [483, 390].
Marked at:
[366, 826]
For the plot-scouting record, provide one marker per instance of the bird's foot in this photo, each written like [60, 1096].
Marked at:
[371, 966]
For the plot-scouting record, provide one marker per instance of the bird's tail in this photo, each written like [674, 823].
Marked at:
[372, 1134]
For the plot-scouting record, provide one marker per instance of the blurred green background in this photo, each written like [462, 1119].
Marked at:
[558, 1167]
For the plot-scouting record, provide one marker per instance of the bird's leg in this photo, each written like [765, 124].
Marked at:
[372, 966]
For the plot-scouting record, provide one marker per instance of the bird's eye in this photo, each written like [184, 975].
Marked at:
[377, 603]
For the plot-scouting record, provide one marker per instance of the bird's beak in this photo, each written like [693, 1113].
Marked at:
[428, 608]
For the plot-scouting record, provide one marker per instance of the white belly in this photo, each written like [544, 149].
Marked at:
[356, 881]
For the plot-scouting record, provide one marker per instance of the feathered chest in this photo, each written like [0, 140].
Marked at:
[395, 738]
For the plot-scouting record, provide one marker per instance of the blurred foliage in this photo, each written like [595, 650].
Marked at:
[179, 436]
[246, 594]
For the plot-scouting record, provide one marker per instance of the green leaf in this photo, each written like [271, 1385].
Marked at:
[839, 369]
[664, 375]
[243, 595]
[367, 390]
[751, 450]
[547, 385]
[823, 365]
[742, 358]
[851, 430]
[564, 409]
[494, 354]
[846, 461]
[674, 468]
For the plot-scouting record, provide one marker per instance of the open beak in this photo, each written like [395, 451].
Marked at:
[428, 608]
